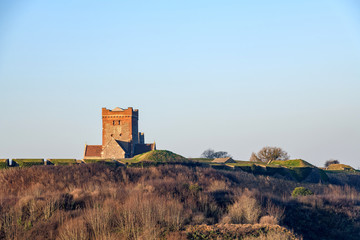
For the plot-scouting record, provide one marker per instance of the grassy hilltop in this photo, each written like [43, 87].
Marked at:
[171, 197]
[157, 156]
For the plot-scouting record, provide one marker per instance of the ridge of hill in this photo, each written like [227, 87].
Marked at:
[294, 169]
[340, 167]
[292, 163]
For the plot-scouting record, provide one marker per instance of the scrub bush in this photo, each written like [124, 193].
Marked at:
[301, 191]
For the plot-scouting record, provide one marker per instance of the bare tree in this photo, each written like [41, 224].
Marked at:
[331, 161]
[269, 154]
[254, 158]
[221, 154]
[210, 153]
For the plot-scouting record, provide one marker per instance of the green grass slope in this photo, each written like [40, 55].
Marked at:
[340, 167]
[292, 163]
[27, 162]
[154, 158]
[296, 169]
[159, 156]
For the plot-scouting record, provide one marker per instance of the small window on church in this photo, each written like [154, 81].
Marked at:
[116, 122]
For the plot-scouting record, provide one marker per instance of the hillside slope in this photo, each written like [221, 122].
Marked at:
[157, 156]
[340, 167]
[99, 201]
[292, 163]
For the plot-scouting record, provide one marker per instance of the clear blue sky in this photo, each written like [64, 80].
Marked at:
[228, 75]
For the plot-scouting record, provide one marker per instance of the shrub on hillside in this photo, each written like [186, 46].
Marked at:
[73, 229]
[4, 163]
[244, 210]
[275, 211]
[99, 201]
[301, 191]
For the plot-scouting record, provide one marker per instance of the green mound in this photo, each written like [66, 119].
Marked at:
[292, 163]
[57, 162]
[28, 162]
[4, 163]
[340, 167]
[159, 156]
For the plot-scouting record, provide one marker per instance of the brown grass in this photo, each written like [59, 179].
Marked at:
[269, 220]
[244, 210]
[240, 231]
[107, 202]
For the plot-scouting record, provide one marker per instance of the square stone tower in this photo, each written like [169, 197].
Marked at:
[120, 136]
[120, 129]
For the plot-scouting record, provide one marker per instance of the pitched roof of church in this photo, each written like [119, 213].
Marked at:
[93, 151]
[223, 160]
[117, 109]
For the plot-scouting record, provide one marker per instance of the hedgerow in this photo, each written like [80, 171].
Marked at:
[4, 163]
[28, 162]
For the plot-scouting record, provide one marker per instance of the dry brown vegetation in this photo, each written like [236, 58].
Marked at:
[241, 231]
[98, 201]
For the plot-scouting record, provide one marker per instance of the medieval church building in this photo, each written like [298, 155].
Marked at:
[120, 136]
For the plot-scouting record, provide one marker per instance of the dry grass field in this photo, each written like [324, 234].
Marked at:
[101, 201]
